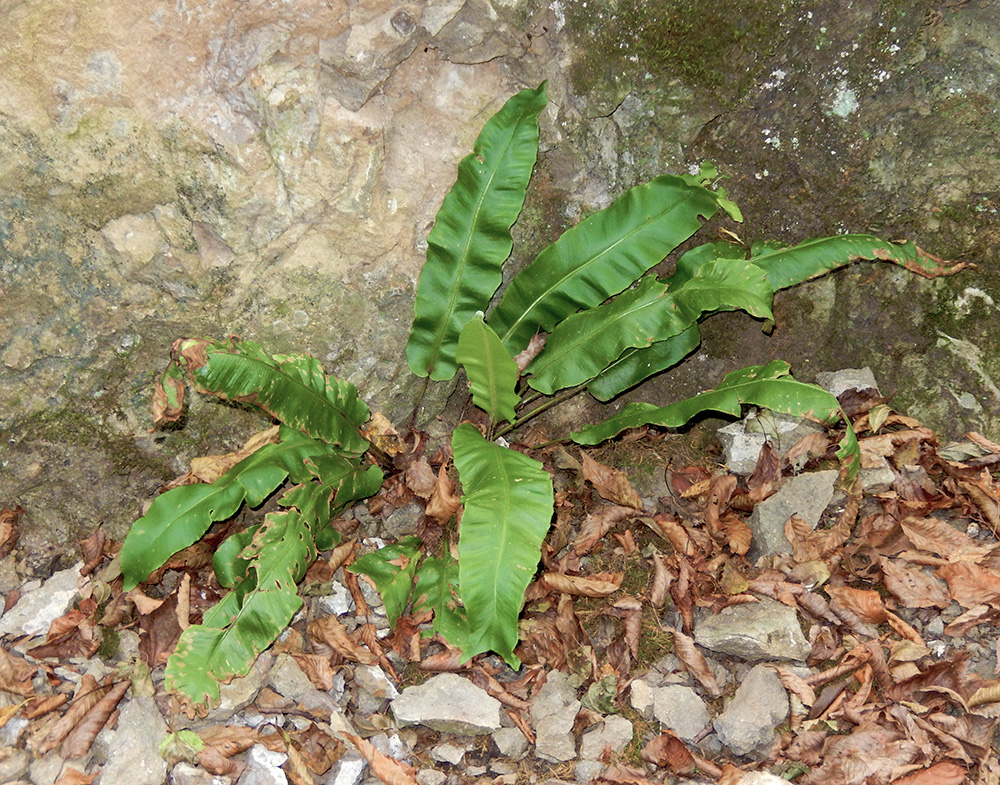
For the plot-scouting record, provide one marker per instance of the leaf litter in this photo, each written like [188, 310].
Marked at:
[897, 591]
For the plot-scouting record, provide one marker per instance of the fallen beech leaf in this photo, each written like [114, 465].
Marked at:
[767, 468]
[668, 751]
[229, 740]
[42, 706]
[720, 491]
[444, 502]
[16, 674]
[970, 585]
[330, 631]
[912, 586]
[384, 436]
[680, 480]
[620, 772]
[738, 535]
[212, 760]
[77, 743]
[209, 468]
[694, 662]
[662, 578]
[796, 685]
[612, 484]
[599, 523]
[76, 777]
[389, 770]
[937, 537]
[420, 478]
[865, 604]
[316, 668]
[812, 445]
[944, 773]
[535, 345]
[580, 586]
[295, 767]
[983, 695]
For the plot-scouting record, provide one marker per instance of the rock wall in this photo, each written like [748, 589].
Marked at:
[271, 170]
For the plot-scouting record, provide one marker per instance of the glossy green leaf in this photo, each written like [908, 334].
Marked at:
[392, 569]
[637, 365]
[471, 236]
[491, 371]
[508, 508]
[237, 629]
[587, 343]
[437, 590]
[769, 386]
[293, 389]
[182, 515]
[790, 266]
[601, 256]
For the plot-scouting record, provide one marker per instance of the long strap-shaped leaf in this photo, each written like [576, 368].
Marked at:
[508, 508]
[492, 372]
[471, 236]
[601, 256]
[245, 623]
[636, 365]
[790, 266]
[293, 389]
[181, 516]
[768, 385]
[583, 345]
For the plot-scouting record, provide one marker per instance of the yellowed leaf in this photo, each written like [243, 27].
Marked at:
[580, 586]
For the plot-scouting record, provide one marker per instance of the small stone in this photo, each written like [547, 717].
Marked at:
[641, 697]
[186, 774]
[38, 608]
[837, 382]
[236, 696]
[337, 602]
[348, 770]
[614, 733]
[510, 742]
[759, 706]
[264, 767]
[765, 630]
[681, 710]
[134, 748]
[806, 496]
[588, 770]
[449, 704]
[14, 766]
[553, 712]
[448, 753]
[431, 777]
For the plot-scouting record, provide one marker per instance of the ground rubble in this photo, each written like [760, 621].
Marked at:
[855, 645]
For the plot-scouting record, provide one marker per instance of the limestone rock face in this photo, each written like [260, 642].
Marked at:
[271, 170]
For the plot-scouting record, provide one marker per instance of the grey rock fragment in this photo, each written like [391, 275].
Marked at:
[836, 382]
[186, 774]
[348, 770]
[681, 710]
[510, 742]
[748, 722]
[134, 748]
[588, 770]
[288, 679]
[431, 777]
[806, 496]
[448, 753]
[765, 630]
[236, 695]
[761, 778]
[263, 767]
[553, 712]
[14, 766]
[450, 704]
[615, 732]
[641, 697]
[41, 606]
[742, 441]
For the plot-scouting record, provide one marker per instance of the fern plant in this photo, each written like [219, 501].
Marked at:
[605, 323]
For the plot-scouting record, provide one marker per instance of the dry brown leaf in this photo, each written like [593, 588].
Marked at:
[662, 578]
[77, 743]
[316, 668]
[767, 469]
[212, 760]
[990, 694]
[597, 524]
[812, 445]
[913, 587]
[389, 770]
[694, 662]
[143, 604]
[866, 605]
[535, 345]
[42, 706]
[739, 536]
[328, 630]
[720, 491]
[668, 751]
[579, 586]
[295, 767]
[71, 635]
[444, 502]
[612, 484]
[73, 776]
[209, 468]
[16, 674]
[944, 773]
[10, 529]
[903, 629]
[229, 740]
[420, 478]
[970, 585]
[937, 537]
[985, 498]
[796, 685]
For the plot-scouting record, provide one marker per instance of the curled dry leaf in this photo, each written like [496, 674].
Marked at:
[970, 585]
[73, 776]
[612, 484]
[316, 668]
[535, 345]
[944, 773]
[796, 685]
[444, 502]
[866, 605]
[939, 538]
[662, 578]
[420, 478]
[668, 751]
[599, 523]
[694, 662]
[214, 762]
[209, 468]
[580, 586]
[913, 587]
[389, 770]
[78, 742]
[673, 532]
[16, 674]
[720, 491]
[330, 631]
